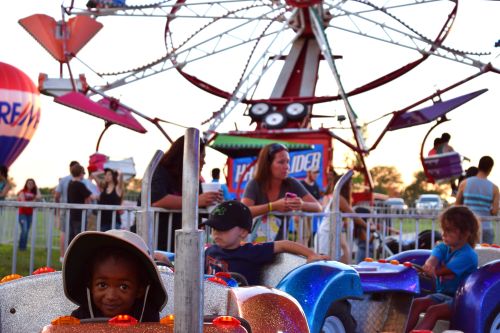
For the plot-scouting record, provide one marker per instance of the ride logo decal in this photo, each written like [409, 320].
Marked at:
[300, 162]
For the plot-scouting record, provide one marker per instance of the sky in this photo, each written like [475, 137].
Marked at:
[65, 134]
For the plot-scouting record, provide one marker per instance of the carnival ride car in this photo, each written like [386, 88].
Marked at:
[316, 297]
[286, 42]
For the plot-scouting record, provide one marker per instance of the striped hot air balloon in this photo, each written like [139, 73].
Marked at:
[19, 112]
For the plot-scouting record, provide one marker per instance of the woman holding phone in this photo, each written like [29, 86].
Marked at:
[272, 190]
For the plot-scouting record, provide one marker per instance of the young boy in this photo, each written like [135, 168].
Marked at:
[451, 262]
[231, 221]
[111, 273]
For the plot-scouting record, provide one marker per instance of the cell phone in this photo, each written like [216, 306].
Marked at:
[290, 195]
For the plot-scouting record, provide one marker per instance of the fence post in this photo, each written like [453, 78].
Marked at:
[188, 281]
[145, 217]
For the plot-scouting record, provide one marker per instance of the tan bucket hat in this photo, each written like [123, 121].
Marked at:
[85, 245]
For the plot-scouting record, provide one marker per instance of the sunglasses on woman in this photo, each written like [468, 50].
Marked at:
[275, 148]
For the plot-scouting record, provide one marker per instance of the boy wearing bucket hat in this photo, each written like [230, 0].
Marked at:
[231, 221]
[111, 273]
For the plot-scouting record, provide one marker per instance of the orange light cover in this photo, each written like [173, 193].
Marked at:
[217, 280]
[65, 320]
[10, 277]
[168, 320]
[225, 275]
[43, 270]
[226, 321]
[369, 259]
[123, 320]
[382, 261]
[407, 264]
[395, 262]
[485, 245]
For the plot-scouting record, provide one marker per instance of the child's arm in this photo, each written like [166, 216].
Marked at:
[431, 267]
[299, 249]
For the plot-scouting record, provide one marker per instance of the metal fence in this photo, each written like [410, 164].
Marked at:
[386, 234]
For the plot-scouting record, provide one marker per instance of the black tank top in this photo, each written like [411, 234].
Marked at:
[107, 215]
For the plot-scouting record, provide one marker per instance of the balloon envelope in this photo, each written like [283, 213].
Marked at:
[19, 112]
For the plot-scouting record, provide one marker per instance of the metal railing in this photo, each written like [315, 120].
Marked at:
[386, 234]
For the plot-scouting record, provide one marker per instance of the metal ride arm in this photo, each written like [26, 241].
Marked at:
[319, 33]
[336, 220]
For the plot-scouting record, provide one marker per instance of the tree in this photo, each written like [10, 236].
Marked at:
[387, 180]
[421, 186]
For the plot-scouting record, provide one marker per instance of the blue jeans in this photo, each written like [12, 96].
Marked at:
[361, 254]
[25, 222]
[488, 236]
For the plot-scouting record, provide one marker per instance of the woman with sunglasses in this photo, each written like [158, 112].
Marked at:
[271, 189]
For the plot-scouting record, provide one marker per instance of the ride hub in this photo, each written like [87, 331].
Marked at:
[302, 3]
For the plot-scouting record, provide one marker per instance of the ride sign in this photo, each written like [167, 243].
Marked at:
[19, 112]
[300, 162]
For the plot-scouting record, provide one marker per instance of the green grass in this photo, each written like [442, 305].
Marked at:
[23, 260]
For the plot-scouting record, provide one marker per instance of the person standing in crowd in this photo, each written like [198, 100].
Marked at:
[112, 194]
[61, 196]
[267, 190]
[93, 186]
[4, 182]
[310, 182]
[30, 192]
[345, 207]
[166, 190]
[78, 193]
[311, 185]
[225, 190]
[481, 196]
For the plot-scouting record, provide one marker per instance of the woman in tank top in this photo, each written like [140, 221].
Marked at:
[112, 193]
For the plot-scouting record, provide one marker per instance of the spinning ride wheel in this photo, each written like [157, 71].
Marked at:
[268, 55]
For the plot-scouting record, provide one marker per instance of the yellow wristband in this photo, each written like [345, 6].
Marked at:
[270, 206]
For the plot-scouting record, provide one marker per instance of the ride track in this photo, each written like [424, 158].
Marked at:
[290, 37]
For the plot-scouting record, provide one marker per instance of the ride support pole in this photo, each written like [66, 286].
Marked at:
[145, 218]
[188, 279]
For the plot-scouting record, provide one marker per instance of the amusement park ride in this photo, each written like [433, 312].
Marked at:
[272, 55]
[290, 43]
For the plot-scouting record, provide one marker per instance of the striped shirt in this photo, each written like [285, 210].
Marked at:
[478, 196]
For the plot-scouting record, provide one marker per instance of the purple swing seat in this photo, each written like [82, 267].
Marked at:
[444, 166]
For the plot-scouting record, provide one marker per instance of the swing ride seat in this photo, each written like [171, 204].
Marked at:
[443, 166]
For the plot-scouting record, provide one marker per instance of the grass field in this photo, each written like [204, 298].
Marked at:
[23, 260]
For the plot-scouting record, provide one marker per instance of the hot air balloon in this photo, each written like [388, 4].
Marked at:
[19, 112]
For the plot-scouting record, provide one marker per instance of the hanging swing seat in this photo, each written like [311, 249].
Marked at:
[443, 166]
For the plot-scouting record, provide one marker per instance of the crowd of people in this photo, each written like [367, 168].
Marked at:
[109, 256]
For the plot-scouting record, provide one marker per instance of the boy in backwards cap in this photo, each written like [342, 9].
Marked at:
[111, 273]
[231, 221]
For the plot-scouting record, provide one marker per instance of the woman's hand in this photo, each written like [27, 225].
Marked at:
[279, 205]
[292, 204]
[209, 199]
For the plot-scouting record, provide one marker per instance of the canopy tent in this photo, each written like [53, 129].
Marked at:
[243, 146]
